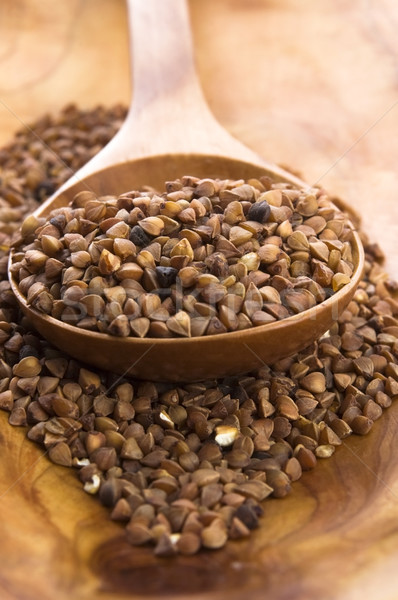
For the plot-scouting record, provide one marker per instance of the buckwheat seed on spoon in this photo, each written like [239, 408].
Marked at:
[179, 264]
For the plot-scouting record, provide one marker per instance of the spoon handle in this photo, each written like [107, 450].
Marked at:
[168, 113]
[162, 62]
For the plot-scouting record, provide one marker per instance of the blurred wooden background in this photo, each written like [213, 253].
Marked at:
[312, 85]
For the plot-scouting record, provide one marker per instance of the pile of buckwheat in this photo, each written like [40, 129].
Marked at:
[204, 257]
[183, 467]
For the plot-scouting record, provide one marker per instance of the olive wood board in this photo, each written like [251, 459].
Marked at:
[312, 85]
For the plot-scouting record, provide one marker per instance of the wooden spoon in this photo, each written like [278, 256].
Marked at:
[170, 132]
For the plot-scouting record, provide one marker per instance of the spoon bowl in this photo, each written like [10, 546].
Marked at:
[170, 132]
[183, 359]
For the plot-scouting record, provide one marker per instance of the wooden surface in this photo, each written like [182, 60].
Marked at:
[312, 85]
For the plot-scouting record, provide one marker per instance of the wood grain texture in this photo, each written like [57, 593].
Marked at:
[311, 85]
